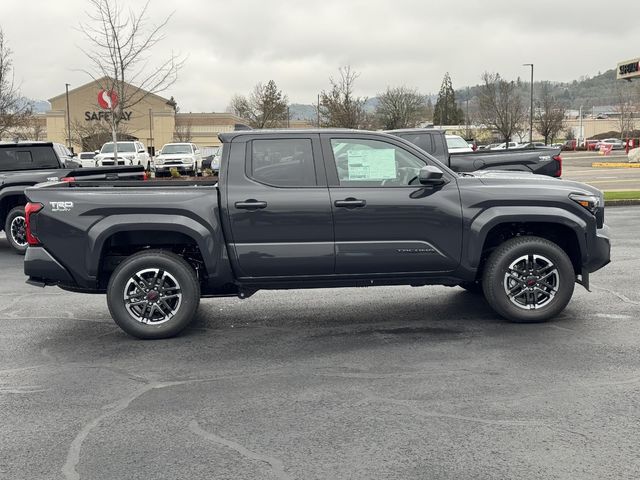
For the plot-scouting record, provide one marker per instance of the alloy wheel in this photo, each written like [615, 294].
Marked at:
[19, 231]
[531, 281]
[152, 296]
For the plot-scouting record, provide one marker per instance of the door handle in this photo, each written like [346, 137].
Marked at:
[251, 204]
[350, 203]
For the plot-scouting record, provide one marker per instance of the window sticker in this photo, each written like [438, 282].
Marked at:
[373, 164]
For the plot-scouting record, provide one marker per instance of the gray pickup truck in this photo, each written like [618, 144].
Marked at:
[316, 208]
[539, 160]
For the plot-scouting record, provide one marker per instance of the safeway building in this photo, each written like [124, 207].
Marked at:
[154, 120]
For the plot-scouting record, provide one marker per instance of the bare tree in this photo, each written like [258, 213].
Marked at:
[548, 117]
[265, 107]
[15, 111]
[92, 135]
[119, 44]
[624, 108]
[339, 107]
[400, 107]
[500, 105]
[182, 132]
[36, 128]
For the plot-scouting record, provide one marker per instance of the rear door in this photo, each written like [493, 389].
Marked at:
[278, 206]
[385, 221]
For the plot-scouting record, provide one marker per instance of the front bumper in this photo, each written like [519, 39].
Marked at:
[180, 167]
[42, 269]
[600, 251]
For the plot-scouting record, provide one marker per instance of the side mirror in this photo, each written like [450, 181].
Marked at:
[96, 151]
[140, 151]
[430, 175]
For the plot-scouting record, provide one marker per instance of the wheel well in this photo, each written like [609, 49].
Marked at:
[7, 203]
[124, 244]
[561, 235]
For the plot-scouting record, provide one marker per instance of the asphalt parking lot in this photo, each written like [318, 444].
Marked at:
[577, 166]
[393, 382]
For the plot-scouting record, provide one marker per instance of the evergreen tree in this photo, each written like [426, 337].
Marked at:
[265, 107]
[446, 111]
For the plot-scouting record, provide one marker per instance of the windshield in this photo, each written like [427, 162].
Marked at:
[173, 149]
[457, 142]
[122, 147]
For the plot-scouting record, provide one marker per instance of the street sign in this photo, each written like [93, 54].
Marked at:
[628, 69]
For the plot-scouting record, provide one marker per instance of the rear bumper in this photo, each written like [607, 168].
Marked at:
[42, 269]
[600, 252]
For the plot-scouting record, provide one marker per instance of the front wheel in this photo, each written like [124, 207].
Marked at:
[15, 228]
[528, 279]
[153, 294]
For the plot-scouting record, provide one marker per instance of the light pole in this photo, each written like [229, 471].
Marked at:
[66, 86]
[531, 104]
[151, 145]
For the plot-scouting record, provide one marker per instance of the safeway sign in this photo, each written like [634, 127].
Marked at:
[107, 99]
[628, 69]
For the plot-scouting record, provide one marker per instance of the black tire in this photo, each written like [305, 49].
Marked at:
[15, 230]
[547, 283]
[156, 301]
[472, 287]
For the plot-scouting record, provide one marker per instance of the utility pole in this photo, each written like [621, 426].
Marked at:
[581, 134]
[467, 119]
[151, 147]
[531, 103]
[66, 86]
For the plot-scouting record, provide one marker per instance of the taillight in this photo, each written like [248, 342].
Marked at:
[29, 209]
[68, 179]
[558, 160]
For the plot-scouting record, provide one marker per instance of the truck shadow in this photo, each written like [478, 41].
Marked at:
[272, 330]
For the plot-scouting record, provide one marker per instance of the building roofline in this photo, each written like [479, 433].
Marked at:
[98, 80]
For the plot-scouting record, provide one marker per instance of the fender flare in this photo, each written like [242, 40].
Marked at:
[8, 192]
[482, 224]
[109, 226]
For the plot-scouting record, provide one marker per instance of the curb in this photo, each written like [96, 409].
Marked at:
[614, 165]
[621, 203]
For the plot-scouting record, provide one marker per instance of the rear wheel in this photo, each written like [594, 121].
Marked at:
[528, 280]
[153, 294]
[15, 228]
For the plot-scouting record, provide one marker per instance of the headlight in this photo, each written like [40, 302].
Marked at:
[129, 156]
[590, 202]
[187, 160]
[158, 160]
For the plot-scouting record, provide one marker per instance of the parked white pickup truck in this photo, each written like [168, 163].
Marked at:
[129, 153]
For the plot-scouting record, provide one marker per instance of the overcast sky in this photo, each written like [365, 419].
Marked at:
[233, 44]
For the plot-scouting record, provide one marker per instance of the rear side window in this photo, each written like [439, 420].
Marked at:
[283, 162]
[421, 140]
[28, 158]
[440, 149]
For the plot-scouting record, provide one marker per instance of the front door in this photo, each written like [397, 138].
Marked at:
[384, 220]
[278, 206]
